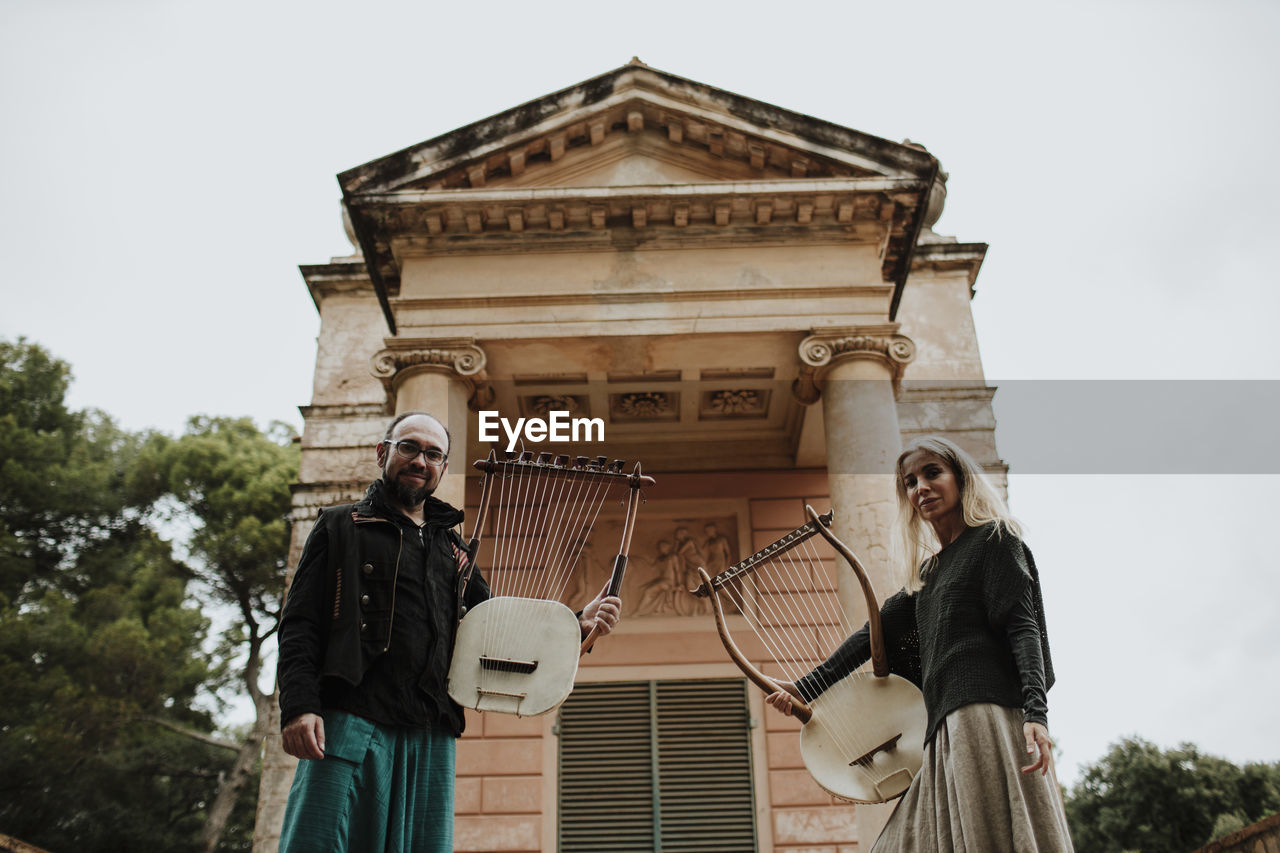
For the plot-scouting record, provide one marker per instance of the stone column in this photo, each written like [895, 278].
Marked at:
[445, 378]
[856, 372]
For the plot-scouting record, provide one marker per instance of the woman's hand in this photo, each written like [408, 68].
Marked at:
[782, 699]
[1040, 746]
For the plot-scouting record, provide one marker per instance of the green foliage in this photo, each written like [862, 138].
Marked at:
[230, 482]
[1227, 824]
[81, 766]
[61, 472]
[105, 663]
[1139, 797]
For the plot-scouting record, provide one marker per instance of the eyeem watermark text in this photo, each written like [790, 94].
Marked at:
[557, 426]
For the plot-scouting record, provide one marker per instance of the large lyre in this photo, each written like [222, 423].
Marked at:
[517, 652]
[862, 738]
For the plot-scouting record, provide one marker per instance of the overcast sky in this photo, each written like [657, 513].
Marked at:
[167, 165]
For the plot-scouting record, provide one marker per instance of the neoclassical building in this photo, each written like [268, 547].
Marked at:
[754, 304]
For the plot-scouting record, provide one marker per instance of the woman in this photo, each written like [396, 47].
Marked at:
[969, 630]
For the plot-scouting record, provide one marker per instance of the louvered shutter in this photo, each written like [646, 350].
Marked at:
[606, 769]
[656, 766]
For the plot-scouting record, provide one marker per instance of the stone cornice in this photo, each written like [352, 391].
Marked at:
[638, 296]
[308, 498]
[342, 276]
[519, 195]
[718, 211]
[882, 212]
[944, 257]
[947, 389]
[342, 411]
[822, 350]
[461, 358]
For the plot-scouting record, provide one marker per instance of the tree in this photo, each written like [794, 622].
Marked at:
[104, 744]
[86, 678]
[61, 472]
[1141, 798]
[233, 483]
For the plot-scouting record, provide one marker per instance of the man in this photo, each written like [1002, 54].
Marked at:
[365, 644]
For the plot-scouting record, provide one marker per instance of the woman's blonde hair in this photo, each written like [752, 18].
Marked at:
[915, 543]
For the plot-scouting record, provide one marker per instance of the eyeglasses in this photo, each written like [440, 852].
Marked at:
[410, 450]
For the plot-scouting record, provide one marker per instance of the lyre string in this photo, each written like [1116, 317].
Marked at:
[849, 736]
[546, 571]
[548, 543]
[559, 543]
[527, 507]
[524, 570]
[845, 732]
[573, 534]
[508, 487]
[508, 574]
[515, 573]
[572, 546]
[545, 516]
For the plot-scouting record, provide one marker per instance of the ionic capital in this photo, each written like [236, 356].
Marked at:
[460, 358]
[821, 351]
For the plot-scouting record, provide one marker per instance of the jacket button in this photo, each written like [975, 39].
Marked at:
[367, 568]
[364, 600]
[462, 611]
[364, 627]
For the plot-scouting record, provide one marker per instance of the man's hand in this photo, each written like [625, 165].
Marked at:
[603, 612]
[303, 736]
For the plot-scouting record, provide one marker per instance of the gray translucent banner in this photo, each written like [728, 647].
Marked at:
[1041, 426]
[1138, 426]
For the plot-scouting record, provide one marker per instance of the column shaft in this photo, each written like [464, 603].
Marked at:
[860, 418]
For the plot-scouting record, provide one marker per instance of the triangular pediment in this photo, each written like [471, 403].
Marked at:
[637, 126]
[640, 154]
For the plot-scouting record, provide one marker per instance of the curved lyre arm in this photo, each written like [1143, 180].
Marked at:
[473, 545]
[636, 480]
[801, 710]
[879, 659]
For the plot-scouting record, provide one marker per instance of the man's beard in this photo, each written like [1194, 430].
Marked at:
[406, 495]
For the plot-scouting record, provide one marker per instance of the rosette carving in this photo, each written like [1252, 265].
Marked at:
[542, 404]
[645, 405]
[744, 401]
[818, 353]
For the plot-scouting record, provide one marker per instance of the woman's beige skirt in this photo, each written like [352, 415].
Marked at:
[971, 795]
